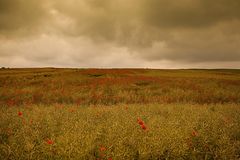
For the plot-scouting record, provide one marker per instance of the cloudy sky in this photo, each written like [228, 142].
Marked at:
[120, 33]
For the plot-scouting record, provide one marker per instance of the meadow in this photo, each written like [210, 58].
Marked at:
[58, 113]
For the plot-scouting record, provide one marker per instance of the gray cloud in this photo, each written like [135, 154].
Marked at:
[217, 43]
[190, 13]
[105, 33]
[21, 16]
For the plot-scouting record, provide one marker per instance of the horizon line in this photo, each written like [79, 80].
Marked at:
[119, 68]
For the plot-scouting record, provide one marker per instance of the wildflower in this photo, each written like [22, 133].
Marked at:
[144, 127]
[72, 110]
[31, 121]
[194, 133]
[49, 141]
[140, 122]
[102, 149]
[109, 158]
[20, 113]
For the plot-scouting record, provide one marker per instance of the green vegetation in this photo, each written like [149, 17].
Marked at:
[93, 114]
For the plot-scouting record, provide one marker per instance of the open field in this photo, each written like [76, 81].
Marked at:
[53, 113]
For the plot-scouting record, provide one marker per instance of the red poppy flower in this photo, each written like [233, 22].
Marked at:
[102, 148]
[71, 110]
[140, 122]
[20, 113]
[49, 141]
[109, 158]
[194, 133]
[144, 127]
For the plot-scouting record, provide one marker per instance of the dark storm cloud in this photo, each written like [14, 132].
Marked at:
[146, 31]
[190, 13]
[145, 18]
[21, 15]
[216, 43]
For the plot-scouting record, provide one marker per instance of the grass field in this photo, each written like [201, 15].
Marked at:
[109, 114]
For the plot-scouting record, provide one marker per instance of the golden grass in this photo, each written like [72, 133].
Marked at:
[177, 131]
[93, 114]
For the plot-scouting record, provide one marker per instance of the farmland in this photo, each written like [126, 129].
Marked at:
[56, 113]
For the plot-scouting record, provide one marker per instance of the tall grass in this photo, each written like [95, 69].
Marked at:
[94, 114]
[108, 87]
[173, 132]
